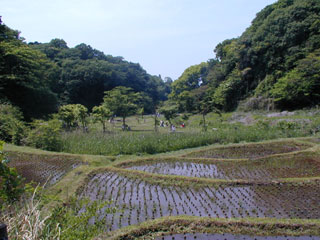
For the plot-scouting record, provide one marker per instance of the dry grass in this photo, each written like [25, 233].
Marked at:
[26, 219]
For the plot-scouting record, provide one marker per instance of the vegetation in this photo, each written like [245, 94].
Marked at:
[11, 184]
[275, 58]
[77, 102]
[122, 102]
[39, 77]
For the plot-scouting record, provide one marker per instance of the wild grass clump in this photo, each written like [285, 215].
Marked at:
[29, 219]
[26, 220]
[118, 143]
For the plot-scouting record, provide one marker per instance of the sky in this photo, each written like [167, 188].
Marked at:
[164, 36]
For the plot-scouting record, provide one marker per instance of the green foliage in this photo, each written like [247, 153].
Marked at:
[77, 219]
[11, 184]
[271, 58]
[38, 77]
[45, 135]
[71, 114]
[301, 86]
[228, 92]
[12, 128]
[183, 89]
[84, 74]
[190, 79]
[25, 77]
[170, 111]
[67, 115]
[81, 113]
[122, 102]
[101, 114]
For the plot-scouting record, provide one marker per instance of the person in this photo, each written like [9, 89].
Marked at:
[161, 123]
[183, 125]
[173, 128]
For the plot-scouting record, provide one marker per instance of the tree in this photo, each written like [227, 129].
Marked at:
[101, 114]
[192, 78]
[72, 113]
[301, 86]
[122, 101]
[170, 111]
[81, 113]
[67, 115]
[25, 79]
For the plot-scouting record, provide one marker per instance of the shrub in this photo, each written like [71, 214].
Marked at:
[12, 128]
[11, 184]
[45, 135]
[256, 103]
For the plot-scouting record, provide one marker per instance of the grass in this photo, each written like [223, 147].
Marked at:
[119, 143]
[94, 160]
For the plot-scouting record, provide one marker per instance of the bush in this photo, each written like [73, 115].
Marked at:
[45, 135]
[12, 128]
[29, 218]
[256, 103]
[11, 184]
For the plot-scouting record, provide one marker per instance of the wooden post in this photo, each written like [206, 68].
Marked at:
[3, 232]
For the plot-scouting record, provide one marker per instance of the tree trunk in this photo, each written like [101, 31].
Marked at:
[155, 123]
[104, 126]
[204, 122]
[124, 123]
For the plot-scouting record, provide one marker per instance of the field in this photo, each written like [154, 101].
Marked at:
[260, 190]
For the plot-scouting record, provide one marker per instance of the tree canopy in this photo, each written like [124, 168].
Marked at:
[39, 77]
[276, 47]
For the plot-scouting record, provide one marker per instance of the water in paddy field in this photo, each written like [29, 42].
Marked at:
[205, 236]
[140, 201]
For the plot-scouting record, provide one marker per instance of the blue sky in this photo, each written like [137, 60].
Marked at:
[164, 36]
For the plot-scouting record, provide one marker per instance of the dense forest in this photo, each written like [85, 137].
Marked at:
[276, 59]
[40, 77]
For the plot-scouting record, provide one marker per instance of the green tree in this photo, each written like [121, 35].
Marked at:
[101, 114]
[170, 111]
[25, 76]
[301, 86]
[192, 78]
[122, 101]
[81, 113]
[67, 115]
[71, 114]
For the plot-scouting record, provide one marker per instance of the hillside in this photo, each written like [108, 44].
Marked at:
[277, 57]
[38, 77]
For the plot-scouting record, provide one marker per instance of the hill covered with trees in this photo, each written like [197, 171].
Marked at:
[276, 58]
[39, 77]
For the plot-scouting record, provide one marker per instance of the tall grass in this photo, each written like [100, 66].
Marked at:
[150, 142]
[26, 219]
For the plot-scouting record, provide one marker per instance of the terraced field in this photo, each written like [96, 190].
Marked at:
[273, 180]
[41, 168]
[299, 166]
[206, 236]
[263, 191]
